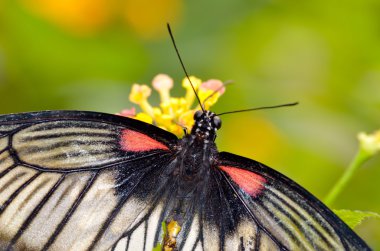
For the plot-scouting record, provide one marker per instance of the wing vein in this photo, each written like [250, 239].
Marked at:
[114, 212]
[89, 168]
[277, 242]
[71, 211]
[282, 201]
[27, 222]
[17, 192]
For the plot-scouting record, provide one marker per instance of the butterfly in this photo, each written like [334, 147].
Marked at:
[74, 180]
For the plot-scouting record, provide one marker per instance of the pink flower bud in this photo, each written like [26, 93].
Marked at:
[214, 85]
[128, 112]
[162, 82]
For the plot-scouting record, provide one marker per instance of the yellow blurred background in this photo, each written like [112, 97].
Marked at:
[85, 54]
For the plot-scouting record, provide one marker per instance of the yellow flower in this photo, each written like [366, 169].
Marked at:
[174, 113]
[163, 83]
[370, 142]
[190, 96]
[89, 17]
[144, 117]
[187, 119]
[173, 228]
[139, 95]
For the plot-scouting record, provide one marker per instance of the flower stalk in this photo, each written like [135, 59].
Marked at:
[369, 145]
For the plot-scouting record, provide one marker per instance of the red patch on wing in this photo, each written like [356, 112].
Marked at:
[250, 182]
[137, 142]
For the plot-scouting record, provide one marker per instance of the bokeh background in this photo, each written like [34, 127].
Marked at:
[85, 54]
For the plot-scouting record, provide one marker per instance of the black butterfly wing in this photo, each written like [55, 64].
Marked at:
[78, 180]
[275, 213]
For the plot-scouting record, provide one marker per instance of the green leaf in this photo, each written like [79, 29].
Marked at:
[159, 245]
[354, 217]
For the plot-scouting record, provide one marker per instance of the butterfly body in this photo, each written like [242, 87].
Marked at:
[73, 180]
[198, 152]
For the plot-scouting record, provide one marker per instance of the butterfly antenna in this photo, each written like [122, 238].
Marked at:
[259, 108]
[183, 66]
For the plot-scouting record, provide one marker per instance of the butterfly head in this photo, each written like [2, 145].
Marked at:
[206, 124]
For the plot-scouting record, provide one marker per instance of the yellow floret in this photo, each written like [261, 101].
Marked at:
[144, 117]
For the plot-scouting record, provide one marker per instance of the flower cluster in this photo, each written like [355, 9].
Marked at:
[173, 113]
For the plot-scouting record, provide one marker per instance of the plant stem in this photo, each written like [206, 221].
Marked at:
[360, 157]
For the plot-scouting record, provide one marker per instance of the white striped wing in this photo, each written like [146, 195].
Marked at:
[287, 216]
[66, 184]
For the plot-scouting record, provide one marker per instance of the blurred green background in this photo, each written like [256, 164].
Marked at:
[85, 54]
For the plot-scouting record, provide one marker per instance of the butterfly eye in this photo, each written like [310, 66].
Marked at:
[217, 122]
[198, 115]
